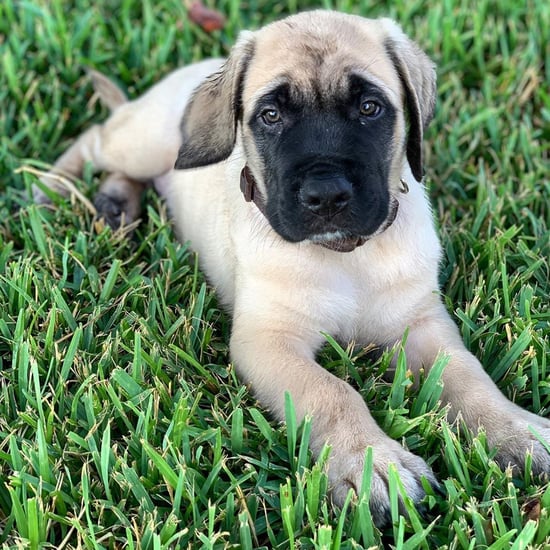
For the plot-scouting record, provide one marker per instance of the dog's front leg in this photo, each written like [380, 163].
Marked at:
[278, 360]
[473, 395]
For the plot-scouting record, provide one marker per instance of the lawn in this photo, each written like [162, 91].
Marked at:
[122, 423]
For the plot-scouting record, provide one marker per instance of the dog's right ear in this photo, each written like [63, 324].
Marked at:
[209, 124]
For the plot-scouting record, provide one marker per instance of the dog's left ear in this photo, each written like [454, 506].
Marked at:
[418, 77]
[209, 124]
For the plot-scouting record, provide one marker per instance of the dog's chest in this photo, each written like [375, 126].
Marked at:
[366, 296]
[365, 302]
[377, 291]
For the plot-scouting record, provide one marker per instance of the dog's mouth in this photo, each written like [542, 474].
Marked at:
[342, 242]
[338, 242]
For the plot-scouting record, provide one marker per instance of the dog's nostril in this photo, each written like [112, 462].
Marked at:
[342, 199]
[313, 201]
[326, 197]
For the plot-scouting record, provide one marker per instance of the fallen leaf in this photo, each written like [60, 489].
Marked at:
[209, 20]
[532, 509]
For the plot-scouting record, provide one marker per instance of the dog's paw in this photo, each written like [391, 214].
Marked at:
[118, 200]
[515, 437]
[346, 472]
[111, 209]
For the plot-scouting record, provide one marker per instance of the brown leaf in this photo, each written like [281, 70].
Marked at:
[532, 509]
[209, 20]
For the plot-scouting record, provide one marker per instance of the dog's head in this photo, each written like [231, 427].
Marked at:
[328, 108]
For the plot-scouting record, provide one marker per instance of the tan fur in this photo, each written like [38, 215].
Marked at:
[109, 94]
[283, 296]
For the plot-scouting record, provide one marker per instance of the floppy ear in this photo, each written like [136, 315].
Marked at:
[417, 74]
[209, 124]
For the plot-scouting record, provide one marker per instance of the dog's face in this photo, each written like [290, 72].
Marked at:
[328, 107]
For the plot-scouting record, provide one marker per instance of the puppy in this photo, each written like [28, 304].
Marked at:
[298, 181]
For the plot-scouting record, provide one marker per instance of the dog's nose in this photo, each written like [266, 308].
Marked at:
[326, 197]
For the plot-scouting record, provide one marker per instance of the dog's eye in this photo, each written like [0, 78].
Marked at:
[271, 116]
[369, 108]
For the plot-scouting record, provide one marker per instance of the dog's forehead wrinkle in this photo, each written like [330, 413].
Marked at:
[307, 43]
[326, 85]
[379, 65]
[268, 90]
[303, 94]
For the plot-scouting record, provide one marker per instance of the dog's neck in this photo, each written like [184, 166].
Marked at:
[251, 194]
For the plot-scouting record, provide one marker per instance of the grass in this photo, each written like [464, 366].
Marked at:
[122, 424]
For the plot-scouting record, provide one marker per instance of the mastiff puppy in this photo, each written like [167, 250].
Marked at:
[298, 181]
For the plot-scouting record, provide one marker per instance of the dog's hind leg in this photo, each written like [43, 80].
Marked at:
[70, 165]
[137, 144]
[118, 200]
[119, 197]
